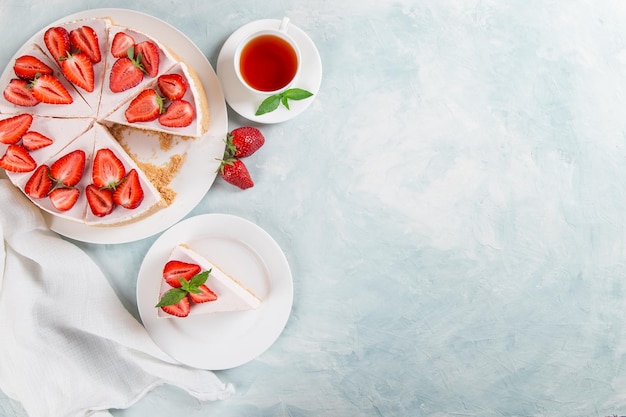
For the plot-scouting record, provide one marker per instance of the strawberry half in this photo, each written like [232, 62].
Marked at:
[100, 200]
[244, 141]
[205, 295]
[28, 66]
[180, 309]
[39, 184]
[172, 86]
[108, 170]
[17, 159]
[13, 128]
[85, 40]
[18, 93]
[78, 69]
[147, 106]
[68, 169]
[120, 44]
[49, 89]
[179, 113]
[126, 73]
[57, 41]
[129, 193]
[34, 140]
[148, 54]
[236, 173]
[64, 199]
[174, 270]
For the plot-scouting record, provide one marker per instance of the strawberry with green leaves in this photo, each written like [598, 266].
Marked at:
[235, 172]
[244, 141]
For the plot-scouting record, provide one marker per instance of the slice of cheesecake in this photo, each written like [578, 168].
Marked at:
[232, 294]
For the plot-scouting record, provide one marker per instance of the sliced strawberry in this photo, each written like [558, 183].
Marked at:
[18, 93]
[100, 200]
[121, 42]
[85, 40]
[39, 184]
[34, 140]
[148, 54]
[172, 86]
[57, 41]
[174, 270]
[236, 173]
[147, 106]
[125, 73]
[68, 169]
[78, 69]
[13, 128]
[108, 170]
[204, 297]
[17, 159]
[28, 66]
[64, 199]
[129, 193]
[179, 113]
[49, 89]
[180, 309]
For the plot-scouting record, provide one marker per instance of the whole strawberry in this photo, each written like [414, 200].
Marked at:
[244, 141]
[235, 172]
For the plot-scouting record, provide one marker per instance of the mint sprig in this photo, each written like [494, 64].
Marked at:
[175, 295]
[272, 102]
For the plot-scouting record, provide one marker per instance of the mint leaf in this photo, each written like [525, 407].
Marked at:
[268, 105]
[199, 279]
[297, 94]
[172, 297]
[272, 102]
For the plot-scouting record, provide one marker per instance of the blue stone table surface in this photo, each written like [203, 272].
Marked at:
[452, 206]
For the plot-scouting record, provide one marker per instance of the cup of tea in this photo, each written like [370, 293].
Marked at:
[268, 61]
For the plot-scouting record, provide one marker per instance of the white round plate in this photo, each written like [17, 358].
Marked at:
[199, 170]
[244, 101]
[219, 340]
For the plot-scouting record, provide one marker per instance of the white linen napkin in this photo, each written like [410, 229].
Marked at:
[68, 347]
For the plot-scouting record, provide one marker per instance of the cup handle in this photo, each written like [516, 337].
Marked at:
[283, 24]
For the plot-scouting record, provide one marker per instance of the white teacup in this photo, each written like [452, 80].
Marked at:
[268, 61]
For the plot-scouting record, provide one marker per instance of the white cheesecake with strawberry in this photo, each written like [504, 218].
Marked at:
[63, 93]
[174, 103]
[194, 285]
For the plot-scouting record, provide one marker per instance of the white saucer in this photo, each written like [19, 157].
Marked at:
[245, 102]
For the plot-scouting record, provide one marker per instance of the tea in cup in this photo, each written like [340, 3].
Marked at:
[268, 61]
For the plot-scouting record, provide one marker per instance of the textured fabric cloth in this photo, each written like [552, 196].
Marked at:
[68, 347]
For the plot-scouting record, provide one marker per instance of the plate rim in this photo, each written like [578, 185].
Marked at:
[145, 305]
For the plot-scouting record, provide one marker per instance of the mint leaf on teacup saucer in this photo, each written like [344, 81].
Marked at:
[272, 102]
